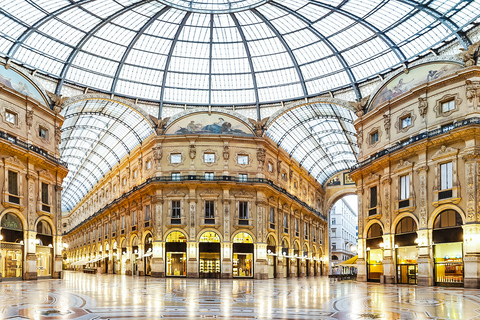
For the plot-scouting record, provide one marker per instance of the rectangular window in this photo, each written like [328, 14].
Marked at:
[115, 188]
[176, 176]
[10, 117]
[297, 233]
[243, 210]
[305, 230]
[242, 177]
[209, 157]
[134, 218]
[134, 174]
[374, 137]
[147, 213]
[285, 223]
[209, 209]
[13, 182]
[404, 187]
[406, 121]
[270, 167]
[114, 225]
[447, 106]
[373, 197]
[149, 164]
[446, 176]
[175, 158]
[272, 215]
[242, 159]
[209, 176]
[44, 193]
[334, 233]
[124, 181]
[42, 132]
[175, 209]
[334, 221]
[334, 246]
[123, 222]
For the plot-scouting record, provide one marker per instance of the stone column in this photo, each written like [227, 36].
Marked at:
[192, 262]
[226, 260]
[140, 261]
[471, 261]
[57, 266]
[425, 260]
[30, 266]
[279, 266]
[158, 265]
[388, 259]
[128, 262]
[293, 264]
[261, 261]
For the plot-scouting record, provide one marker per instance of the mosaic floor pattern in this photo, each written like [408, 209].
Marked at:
[82, 296]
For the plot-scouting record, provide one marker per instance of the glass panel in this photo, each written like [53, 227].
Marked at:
[176, 263]
[242, 264]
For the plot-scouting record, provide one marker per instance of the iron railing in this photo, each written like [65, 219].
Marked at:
[30, 147]
[187, 178]
[418, 137]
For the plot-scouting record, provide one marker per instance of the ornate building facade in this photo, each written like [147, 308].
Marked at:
[206, 196]
[31, 176]
[418, 176]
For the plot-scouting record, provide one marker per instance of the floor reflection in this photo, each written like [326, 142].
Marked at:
[82, 296]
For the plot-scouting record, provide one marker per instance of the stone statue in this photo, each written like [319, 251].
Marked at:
[468, 55]
[29, 119]
[193, 152]
[422, 106]
[226, 152]
[57, 101]
[259, 126]
[359, 106]
[160, 124]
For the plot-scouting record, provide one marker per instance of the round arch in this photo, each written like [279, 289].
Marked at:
[244, 231]
[444, 207]
[17, 213]
[271, 235]
[199, 235]
[400, 217]
[296, 245]
[47, 220]
[300, 103]
[133, 238]
[369, 224]
[123, 242]
[286, 241]
[347, 191]
[165, 237]
[305, 245]
[145, 235]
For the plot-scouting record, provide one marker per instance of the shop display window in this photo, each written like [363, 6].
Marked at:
[242, 264]
[375, 265]
[449, 263]
[12, 257]
[44, 261]
[176, 263]
[407, 255]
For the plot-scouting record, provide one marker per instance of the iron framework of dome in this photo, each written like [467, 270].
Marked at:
[225, 52]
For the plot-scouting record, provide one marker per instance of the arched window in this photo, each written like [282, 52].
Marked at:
[375, 231]
[12, 228]
[334, 257]
[447, 219]
[176, 236]
[44, 228]
[242, 237]
[406, 225]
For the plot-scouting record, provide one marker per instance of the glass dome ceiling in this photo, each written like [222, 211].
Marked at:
[225, 52]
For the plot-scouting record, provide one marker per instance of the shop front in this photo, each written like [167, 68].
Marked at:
[176, 253]
[448, 249]
[11, 247]
[135, 255]
[297, 257]
[44, 249]
[307, 260]
[374, 243]
[114, 258]
[242, 263]
[123, 256]
[406, 251]
[209, 253]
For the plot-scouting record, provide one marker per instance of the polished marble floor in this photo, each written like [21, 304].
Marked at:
[83, 296]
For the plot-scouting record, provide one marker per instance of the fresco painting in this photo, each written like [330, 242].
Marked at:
[202, 123]
[15, 81]
[404, 82]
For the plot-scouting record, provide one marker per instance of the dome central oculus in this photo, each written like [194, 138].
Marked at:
[214, 6]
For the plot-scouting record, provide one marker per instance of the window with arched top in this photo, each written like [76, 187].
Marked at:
[271, 241]
[12, 228]
[334, 257]
[374, 231]
[448, 219]
[43, 227]
[176, 236]
[406, 225]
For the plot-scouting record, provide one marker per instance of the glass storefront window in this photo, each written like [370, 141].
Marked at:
[176, 263]
[12, 257]
[375, 264]
[209, 237]
[242, 264]
[449, 263]
[44, 261]
[407, 255]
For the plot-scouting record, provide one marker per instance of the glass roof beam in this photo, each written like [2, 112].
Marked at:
[250, 62]
[326, 144]
[324, 157]
[41, 22]
[86, 159]
[329, 44]
[87, 150]
[169, 59]
[92, 140]
[132, 44]
[346, 136]
[87, 37]
[331, 165]
[287, 48]
[99, 113]
[399, 53]
[210, 55]
[452, 26]
[106, 131]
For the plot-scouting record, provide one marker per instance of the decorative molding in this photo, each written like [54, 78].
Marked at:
[386, 123]
[243, 153]
[369, 140]
[444, 152]
[398, 123]
[243, 194]
[402, 165]
[445, 98]
[11, 108]
[182, 156]
[209, 164]
[209, 194]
